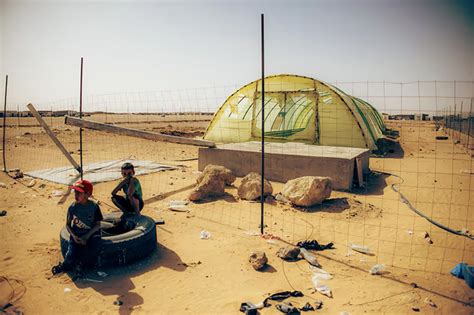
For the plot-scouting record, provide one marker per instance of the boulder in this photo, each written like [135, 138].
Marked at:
[251, 187]
[307, 190]
[208, 186]
[258, 260]
[288, 252]
[211, 182]
[217, 171]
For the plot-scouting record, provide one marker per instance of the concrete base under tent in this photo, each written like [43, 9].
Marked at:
[285, 161]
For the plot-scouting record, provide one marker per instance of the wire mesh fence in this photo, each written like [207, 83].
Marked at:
[430, 162]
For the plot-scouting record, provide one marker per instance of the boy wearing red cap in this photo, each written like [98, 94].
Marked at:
[83, 224]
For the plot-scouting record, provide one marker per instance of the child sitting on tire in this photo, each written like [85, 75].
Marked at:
[132, 203]
[83, 225]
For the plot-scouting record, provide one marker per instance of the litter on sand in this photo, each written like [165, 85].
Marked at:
[178, 205]
[66, 290]
[324, 290]
[205, 235]
[377, 269]
[361, 249]
[430, 302]
[57, 193]
[309, 257]
[320, 274]
[313, 244]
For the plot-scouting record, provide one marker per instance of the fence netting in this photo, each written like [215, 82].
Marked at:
[430, 163]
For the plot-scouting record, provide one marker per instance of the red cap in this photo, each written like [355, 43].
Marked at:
[83, 186]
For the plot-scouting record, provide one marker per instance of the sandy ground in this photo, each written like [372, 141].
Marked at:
[190, 275]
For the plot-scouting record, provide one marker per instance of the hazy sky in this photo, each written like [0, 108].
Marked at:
[159, 45]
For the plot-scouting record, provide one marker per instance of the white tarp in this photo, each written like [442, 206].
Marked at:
[98, 172]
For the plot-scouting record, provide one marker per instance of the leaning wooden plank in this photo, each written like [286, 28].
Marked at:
[135, 133]
[53, 137]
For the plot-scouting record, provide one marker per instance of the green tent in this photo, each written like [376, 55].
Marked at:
[298, 109]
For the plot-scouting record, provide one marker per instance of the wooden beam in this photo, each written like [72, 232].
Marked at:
[82, 123]
[53, 137]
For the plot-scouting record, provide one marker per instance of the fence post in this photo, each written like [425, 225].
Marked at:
[5, 125]
[469, 126]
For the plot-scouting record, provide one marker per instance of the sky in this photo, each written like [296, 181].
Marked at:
[131, 46]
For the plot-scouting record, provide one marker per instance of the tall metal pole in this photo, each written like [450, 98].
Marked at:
[5, 125]
[262, 197]
[80, 116]
[469, 126]
[460, 123]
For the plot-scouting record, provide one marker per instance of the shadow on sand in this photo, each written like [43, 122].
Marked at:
[119, 283]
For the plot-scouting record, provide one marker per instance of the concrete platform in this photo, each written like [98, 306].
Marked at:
[285, 161]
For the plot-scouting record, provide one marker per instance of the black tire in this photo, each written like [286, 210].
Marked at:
[123, 248]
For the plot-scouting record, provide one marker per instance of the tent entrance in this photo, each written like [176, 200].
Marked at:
[287, 114]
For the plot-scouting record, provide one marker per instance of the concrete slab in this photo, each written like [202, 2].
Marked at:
[285, 161]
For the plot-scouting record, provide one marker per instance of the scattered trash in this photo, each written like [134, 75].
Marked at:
[361, 249]
[280, 296]
[428, 238]
[258, 260]
[288, 253]
[205, 235]
[430, 302]
[118, 302]
[271, 242]
[3, 213]
[415, 309]
[466, 272]
[31, 183]
[320, 276]
[18, 174]
[178, 205]
[323, 289]
[414, 285]
[465, 231]
[57, 193]
[467, 172]
[441, 137]
[410, 232]
[318, 304]
[377, 269]
[66, 290]
[287, 308]
[307, 307]
[250, 308]
[42, 186]
[309, 257]
[344, 313]
[159, 222]
[102, 274]
[3, 185]
[313, 244]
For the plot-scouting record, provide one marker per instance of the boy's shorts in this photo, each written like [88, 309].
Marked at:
[125, 203]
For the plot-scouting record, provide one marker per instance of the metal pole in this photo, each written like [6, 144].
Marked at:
[262, 197]
[460, 123]
[454, 122]
[469, 126]
[5, 125]
[80, 116]
[17, 120]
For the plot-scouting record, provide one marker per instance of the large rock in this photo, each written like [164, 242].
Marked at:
[211, 182]
[217, 171]
[251, 187]
[307, 190]
[258, 260]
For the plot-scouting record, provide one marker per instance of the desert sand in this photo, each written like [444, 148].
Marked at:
[189, 275]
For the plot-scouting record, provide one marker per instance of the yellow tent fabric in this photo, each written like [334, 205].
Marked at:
[297, 108]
